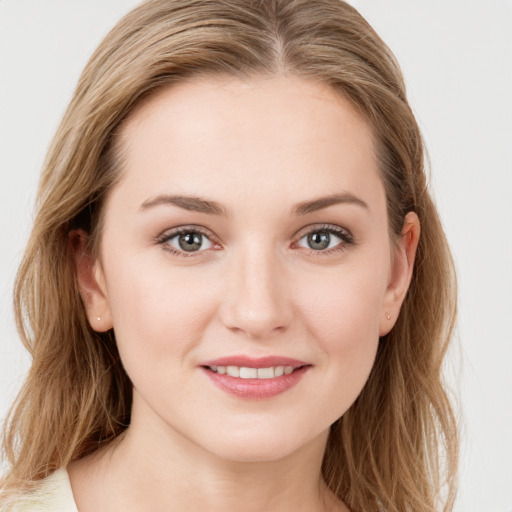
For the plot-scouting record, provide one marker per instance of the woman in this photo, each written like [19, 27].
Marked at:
[237, 292]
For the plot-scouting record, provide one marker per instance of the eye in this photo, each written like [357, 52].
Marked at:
[326, 239]
[185, 241]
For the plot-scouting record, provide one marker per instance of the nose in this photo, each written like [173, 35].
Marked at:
[257, 300]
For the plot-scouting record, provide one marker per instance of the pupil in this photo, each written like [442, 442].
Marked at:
[319, 240]
[190, 241]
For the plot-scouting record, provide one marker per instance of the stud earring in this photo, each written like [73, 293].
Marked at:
[98, 319]
[388, 316]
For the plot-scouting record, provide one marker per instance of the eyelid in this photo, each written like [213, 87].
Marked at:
[342, 233]
[168, 234]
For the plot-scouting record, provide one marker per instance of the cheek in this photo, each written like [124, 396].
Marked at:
[343, 309]
[159, 313]
[342, 314]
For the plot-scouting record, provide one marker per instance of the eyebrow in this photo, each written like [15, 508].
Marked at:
[201, 205]
[320, 203]
[196, 204]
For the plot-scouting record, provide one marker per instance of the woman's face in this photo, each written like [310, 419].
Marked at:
[249, 230]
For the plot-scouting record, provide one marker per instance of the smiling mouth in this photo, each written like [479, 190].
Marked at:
[245, 372]
[259, 379]
[255, 378]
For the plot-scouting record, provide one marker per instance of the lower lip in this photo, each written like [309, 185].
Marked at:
[256, 389]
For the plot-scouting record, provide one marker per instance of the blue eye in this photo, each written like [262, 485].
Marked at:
[186, 241]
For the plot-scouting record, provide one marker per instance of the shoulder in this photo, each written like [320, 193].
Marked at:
[53, 494]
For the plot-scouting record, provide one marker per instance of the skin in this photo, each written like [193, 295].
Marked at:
[255, 287]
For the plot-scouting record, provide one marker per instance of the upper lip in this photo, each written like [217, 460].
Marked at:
[255, 362]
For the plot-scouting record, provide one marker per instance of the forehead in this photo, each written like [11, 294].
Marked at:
[234, 139]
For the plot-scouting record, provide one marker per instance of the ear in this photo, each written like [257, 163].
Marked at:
[402, 265]
[91, 282]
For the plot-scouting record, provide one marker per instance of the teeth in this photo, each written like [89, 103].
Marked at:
[245, 372]
[266, 373]
[233, 371]
[248, 373]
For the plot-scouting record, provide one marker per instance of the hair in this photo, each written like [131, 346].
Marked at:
[396, 448]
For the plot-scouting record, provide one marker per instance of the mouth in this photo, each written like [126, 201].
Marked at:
[255, 379]
[246, 372]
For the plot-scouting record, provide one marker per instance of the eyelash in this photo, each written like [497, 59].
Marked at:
[165, 237]
[343, 234]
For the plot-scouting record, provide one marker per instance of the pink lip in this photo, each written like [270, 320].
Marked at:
[255, 362]
[256, 389]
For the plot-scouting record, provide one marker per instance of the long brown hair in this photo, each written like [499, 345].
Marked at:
[395, 449]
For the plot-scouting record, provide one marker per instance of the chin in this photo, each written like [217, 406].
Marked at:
[262, 444]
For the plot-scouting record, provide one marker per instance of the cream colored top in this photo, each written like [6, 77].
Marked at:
[52, 495]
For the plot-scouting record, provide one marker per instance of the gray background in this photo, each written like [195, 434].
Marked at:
[457, 59]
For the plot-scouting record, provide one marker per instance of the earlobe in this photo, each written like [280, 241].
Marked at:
[401, 272]
[91, 282]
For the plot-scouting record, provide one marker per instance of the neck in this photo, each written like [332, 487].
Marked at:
[153, 467]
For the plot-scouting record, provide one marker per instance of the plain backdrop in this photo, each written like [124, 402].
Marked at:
[456, 56]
